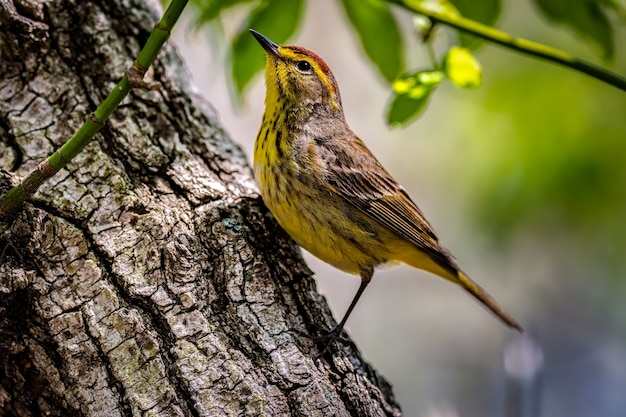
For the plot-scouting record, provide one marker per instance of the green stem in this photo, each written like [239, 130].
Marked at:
[518, 44]
[133, 78]
[432, 56]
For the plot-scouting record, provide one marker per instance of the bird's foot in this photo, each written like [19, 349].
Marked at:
[327, 339]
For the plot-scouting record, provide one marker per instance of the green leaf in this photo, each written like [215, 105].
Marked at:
[483, 11]
[412, 84]
[277, 20]
[378, 33]
[462, 68]
[411, 95]
[211, 9]
[404, 108]
[617, 6]
[587, 17]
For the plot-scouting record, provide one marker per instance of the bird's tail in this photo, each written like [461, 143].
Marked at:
[487, 300]
[444, 266]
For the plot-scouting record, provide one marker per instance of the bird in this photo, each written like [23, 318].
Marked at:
[328, 191]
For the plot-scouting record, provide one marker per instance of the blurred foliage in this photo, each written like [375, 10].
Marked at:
[483, 11]
[209, 10]
[412, 91]
[382, 41]
[461, 68]
[378, 33]
[411, 95]
[589, 18]
[550, 156]
[276, 20]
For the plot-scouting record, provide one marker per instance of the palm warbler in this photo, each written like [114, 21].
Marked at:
[328, 191]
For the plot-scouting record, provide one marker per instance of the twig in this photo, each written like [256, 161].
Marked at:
[518, 44]
[96, 120]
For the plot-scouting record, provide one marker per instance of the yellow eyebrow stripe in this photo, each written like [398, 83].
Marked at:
[319, 66]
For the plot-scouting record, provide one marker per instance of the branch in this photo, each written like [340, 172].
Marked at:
[95, 121]
[517, 44]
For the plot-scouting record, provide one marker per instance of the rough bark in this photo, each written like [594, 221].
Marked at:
[147, 278]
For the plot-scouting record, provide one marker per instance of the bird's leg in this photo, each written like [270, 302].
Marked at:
[365, 279]
[329, 338]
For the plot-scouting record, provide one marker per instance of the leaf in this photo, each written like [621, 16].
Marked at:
[411, 95]
[587, 17]
[378, 33]
[462, 69]
[617, 6]
[277, 20]
[412, 84]
[211, 9]
[403, 108]
[483, 11]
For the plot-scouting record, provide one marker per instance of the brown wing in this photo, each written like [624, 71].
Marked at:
[363, 182]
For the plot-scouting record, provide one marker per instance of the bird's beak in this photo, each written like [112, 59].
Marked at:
[269, 46]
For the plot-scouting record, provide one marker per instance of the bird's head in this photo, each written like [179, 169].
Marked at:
[298, 76]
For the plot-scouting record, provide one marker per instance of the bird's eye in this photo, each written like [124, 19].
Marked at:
[304, 67]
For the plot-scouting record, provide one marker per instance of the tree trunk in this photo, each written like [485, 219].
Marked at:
[147, 277]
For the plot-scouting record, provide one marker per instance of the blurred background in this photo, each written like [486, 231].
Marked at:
[524, 180]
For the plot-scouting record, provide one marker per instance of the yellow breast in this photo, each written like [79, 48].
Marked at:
[294, 190]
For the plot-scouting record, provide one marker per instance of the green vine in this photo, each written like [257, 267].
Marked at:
[517, 44]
